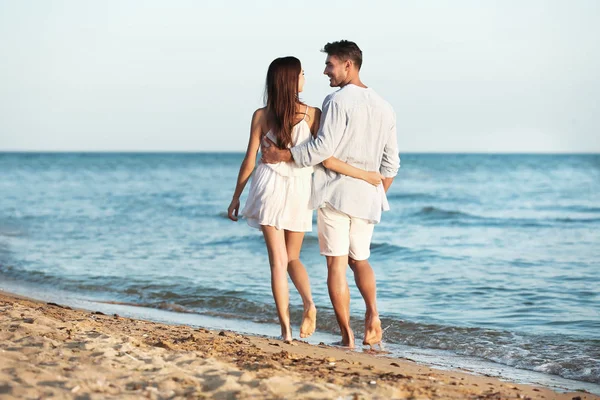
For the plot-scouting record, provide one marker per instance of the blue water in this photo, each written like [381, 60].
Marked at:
[490, 258]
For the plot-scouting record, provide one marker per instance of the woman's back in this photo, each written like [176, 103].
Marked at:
[301, 134]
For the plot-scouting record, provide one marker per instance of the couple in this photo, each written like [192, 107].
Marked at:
[352, 149]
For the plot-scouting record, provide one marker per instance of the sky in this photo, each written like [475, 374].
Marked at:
[463, 76]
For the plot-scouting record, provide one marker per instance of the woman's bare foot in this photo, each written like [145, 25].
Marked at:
[309, 321]
[286, 341]
[373, 333]
[286, 334]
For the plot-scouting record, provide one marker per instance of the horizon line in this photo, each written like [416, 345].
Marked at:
[242, 152]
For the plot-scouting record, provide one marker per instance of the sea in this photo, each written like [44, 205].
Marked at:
[488, 263]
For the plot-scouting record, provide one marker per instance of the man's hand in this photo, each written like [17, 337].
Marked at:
[387, 182]
[271, 154]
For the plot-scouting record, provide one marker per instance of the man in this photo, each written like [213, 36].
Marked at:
[358, 127]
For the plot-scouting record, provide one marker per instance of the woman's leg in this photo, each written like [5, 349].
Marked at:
[275, 241]
[293, 243]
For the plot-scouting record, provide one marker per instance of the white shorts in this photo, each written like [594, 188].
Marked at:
[340, 234]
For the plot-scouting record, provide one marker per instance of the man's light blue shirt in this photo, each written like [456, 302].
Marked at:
[359, 127]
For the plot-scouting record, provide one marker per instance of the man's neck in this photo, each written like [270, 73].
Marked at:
[354, 81]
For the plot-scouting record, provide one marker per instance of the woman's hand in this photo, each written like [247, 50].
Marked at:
[374, 178]
[232, 211]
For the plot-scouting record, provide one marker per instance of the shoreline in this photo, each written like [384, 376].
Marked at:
[51, 349]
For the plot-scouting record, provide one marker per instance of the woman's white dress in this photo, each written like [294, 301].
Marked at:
[280, 193]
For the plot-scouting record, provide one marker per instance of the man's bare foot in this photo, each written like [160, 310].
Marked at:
[348, 339]
[309, 322]
[373, 333]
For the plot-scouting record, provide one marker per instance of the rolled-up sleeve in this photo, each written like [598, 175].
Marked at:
[390, 162]
[333, 125]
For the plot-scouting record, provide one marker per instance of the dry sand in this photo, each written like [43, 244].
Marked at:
[48, 350]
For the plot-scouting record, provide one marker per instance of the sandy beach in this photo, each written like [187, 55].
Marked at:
[49, 350]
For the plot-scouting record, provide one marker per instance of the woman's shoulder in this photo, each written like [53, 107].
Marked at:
[259, 119]
[260, 113]
[314, 116]
[314, 111]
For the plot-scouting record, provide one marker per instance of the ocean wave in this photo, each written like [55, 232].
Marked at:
[169, 294]
[387, 248]
[432, 214]
[11, 232]
[571, 358]
[439, 213]
[383, 250]
[572, 208]
[161, 306]
[232, 240]
[577, 220]
[411, 196]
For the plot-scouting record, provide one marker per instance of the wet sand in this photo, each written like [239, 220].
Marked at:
[49, 350]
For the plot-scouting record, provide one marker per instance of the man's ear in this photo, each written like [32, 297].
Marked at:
[348, 64]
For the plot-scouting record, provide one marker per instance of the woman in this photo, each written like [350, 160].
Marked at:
[278, 201]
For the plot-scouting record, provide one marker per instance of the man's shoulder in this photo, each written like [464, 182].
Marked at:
[346, 96]
[331, 96]
[342, 97]
[383, 103]
[388, 105]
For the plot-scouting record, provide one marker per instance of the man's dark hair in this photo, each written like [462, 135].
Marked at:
[344, 50]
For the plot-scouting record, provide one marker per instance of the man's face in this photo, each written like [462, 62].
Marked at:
[336, 70]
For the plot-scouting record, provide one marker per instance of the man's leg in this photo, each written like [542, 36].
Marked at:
[339, 293]
[361, 232]
[364, 277]
[334, 242]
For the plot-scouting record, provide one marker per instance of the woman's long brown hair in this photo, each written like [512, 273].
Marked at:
[281, 98]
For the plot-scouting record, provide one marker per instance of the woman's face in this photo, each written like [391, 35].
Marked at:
[301, 81]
